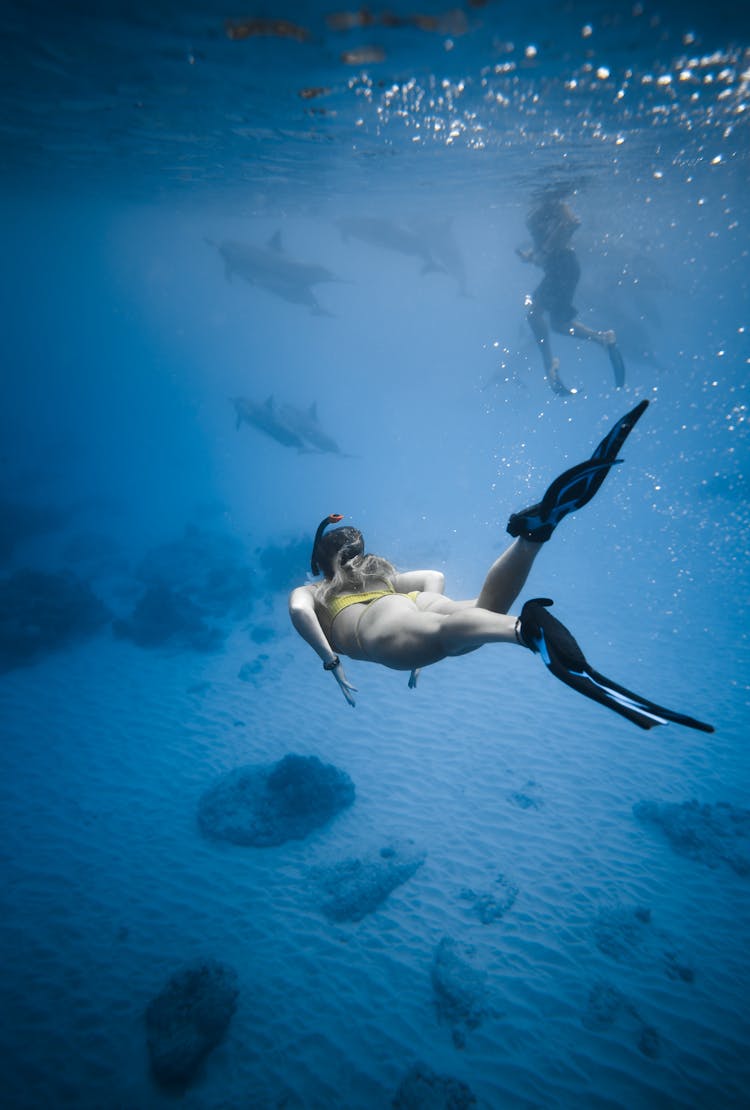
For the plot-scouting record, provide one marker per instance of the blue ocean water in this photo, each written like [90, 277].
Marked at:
[546, 906]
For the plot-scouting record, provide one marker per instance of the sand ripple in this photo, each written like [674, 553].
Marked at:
[611, 965]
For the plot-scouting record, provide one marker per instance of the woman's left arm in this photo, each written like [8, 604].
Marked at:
[426, 581]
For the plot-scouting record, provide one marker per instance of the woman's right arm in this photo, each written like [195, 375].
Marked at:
[304, 619]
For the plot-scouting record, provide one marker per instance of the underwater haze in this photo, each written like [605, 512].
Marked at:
[261, 264]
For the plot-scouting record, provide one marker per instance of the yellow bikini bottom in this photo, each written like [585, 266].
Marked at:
[337, 604]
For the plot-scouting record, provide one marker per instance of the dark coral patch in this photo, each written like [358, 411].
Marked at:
[458, 988]
[710, 833]
[423, 1089]
[41, 613]
[354, 888]
[167, 617]
[264, 805]
[188, 1019]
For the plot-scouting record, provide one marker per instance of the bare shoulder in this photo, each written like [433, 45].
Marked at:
[303, 596]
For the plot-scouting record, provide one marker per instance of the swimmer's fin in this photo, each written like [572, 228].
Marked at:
[557, 385]
[614, 439]
[571, 491]
[618, 365]
[548, 637]
[575, 487]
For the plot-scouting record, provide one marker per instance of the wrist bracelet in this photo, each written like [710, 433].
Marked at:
[331, 663]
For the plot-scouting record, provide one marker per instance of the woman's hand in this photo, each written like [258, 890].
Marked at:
[346, 687]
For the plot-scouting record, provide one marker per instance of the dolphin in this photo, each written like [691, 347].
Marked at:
[269, 267]
[390, 236]
[440, 243]
[304, 422]
[264, 418]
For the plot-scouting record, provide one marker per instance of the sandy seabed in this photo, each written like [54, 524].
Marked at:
[617, 977]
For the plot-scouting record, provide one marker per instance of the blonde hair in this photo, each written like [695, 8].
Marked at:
[361, 574]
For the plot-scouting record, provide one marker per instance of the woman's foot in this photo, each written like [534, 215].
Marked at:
[553, 377]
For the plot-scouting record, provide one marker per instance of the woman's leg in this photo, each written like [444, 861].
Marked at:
[406, 638]
[607, 340]
[504, 582]
[540, 331]
[470, 629]
[581, 331]
[507, 576]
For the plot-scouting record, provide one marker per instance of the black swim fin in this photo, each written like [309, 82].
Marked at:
[557, 385]
[617, 363]
[614, 439]
[548, 637]
[575, 487]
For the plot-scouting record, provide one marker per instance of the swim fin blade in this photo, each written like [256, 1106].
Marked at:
[575, 487]
[561, 654]
[617, 363]
[557, 385]
[609, 447]
[570, 491]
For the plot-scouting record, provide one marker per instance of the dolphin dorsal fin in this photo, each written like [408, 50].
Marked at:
[275, 241]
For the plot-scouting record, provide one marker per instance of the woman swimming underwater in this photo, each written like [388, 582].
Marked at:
[365, 609]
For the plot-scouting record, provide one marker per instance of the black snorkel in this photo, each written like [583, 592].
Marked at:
[346, 543]
[334, 518]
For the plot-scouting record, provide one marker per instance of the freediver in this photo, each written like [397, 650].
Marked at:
[366, 610]
[551, 223]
